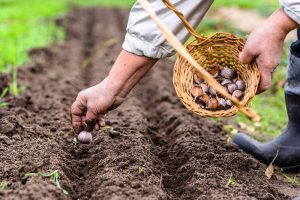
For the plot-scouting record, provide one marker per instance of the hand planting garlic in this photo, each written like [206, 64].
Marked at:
[208, 98]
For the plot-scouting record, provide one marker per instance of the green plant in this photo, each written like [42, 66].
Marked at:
[231, 131]
[14, 88]
[2, 95]
[141, 170]
[291, 180]
[53, 175]
[231, 181]
[75, 141]
[4, 184]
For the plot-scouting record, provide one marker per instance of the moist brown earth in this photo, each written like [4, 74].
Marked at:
[155, 149]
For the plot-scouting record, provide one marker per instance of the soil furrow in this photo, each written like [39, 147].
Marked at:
[89, 163]
[88, 46]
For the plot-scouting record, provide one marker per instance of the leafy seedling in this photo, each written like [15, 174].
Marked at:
[141, 170]
[231, 181]
[75, 141]
[14, 88]
[2, 95]
[53, 175]
[4, 184]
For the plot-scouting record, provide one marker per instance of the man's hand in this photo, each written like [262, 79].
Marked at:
[265, 45]
[93, 103]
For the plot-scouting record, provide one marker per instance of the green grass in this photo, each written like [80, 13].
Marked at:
[293, 181]
[25, 25]
[30, 24]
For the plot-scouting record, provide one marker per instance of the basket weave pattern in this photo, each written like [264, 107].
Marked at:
[220, 49]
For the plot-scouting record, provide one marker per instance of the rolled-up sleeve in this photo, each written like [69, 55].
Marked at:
[292, 9]
[144, 38]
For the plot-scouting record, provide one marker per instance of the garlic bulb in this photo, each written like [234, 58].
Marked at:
[228, 73]
[85, 137]
[231, 87]
[238, 94]
[240, 84]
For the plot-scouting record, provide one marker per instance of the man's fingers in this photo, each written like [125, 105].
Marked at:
[246, 56]
[102, 123]
[265, 74]
[90, 114]
[266, 64]
[77, 126]
[97, 127]
[77, 109]
[265, 81]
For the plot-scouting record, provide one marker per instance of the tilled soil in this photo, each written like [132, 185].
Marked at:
[155, 149]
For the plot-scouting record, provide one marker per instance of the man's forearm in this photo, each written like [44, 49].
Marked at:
[128, 70]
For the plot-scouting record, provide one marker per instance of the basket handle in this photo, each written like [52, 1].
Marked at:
[182, 18]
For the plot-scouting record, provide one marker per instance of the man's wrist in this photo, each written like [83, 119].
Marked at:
[282, 23]
[113, 85]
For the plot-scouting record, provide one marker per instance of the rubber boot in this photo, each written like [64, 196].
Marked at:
[288, 143]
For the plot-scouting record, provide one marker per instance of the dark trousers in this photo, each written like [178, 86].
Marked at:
[293, 70]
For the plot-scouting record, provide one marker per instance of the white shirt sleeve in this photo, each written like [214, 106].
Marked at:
[144, 38]
[292, 9]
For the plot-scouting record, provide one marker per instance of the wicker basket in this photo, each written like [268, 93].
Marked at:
[219, 49]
